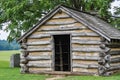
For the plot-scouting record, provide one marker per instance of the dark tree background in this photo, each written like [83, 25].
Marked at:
[5, 45]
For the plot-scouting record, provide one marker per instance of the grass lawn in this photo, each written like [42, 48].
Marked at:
[7, 73]
[5, 55]
[113, 77]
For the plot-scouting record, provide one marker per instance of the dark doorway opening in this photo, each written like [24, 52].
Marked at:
[62, 53]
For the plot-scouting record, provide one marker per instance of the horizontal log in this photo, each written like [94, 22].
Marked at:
[114, 53]
[39, 46]
[85, 34]
[35, 58]
[114, 68]
[42, 49]
[92, 58]
[113, 45]
[39, 65]
[40, 69]
[62, 28]
[87, 38]
[85, 70]
[39, 36]
[85, 41]
[88, 66]
[63, 72]
[49, 33]
[60, 22]
[86, 49]
[115, 60]
[38, 43]
[39, 53]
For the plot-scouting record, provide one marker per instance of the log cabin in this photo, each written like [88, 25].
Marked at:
[70, 42]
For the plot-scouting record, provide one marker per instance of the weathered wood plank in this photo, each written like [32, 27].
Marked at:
[115, 60]
[87, 66]
[38, 43]
[41, 49]
[39, 36]
[115, 49]
[37, 46]
[62, 28]
[85, 70]
[61, 73]
[85, 34]
[114, 53]
[113, 45]
[39, 69]
[85, 41]
[61, 21]
[40, 61]
[35, 58]
[74, 33]
[86, 49]
[40, 39]
[115, 64]
[86, 53]
[39, 53]
[93, 58]
[113, 68]
[39, 65]
[58, 26]
[87, 38]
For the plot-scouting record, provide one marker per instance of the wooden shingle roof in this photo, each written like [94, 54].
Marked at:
[94, 23]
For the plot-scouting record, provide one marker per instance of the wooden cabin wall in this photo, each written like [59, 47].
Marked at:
[85, 52]
[84, 45]
[115, 56]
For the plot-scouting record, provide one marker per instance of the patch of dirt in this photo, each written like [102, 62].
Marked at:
[55, 77]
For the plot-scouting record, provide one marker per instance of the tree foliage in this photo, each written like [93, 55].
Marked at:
[116, 18]
[23, 14]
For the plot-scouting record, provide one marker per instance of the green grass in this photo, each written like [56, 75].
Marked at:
[7, 73]
[5, 55]
[113, 77]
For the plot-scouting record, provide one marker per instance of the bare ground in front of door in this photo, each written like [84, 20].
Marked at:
[56, 77]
